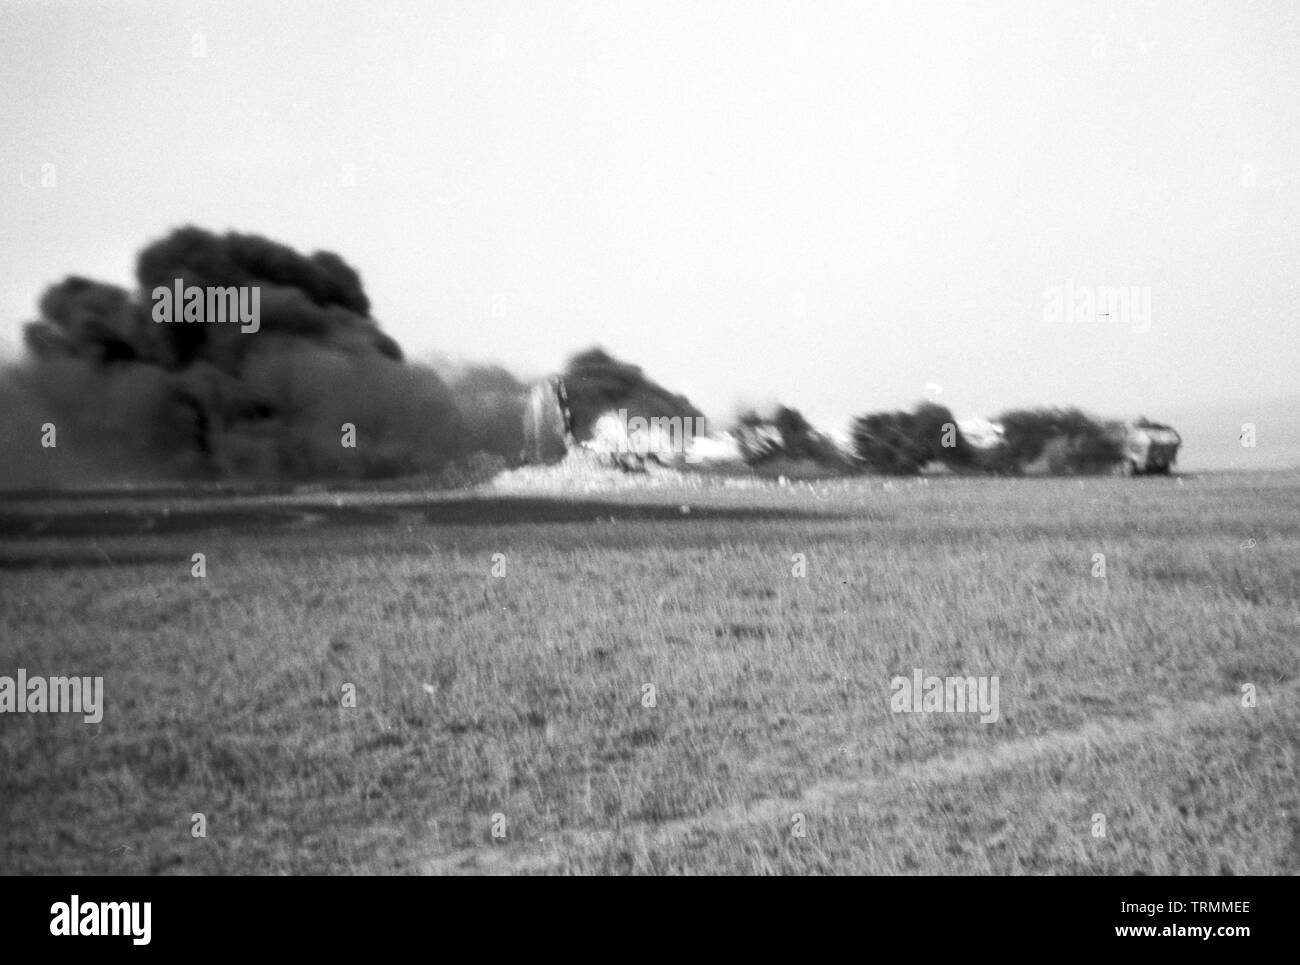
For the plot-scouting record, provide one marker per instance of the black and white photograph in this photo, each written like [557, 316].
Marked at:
[650, 438]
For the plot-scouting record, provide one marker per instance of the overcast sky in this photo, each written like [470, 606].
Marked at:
[843, 206]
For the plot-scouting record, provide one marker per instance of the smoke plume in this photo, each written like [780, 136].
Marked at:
[491, 401]
[596, 383]
[1050, 440]
[901, 443]
[133, 398]
[1067, 440]
[785, 435]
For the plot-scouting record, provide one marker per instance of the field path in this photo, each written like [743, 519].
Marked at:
[1106, 733]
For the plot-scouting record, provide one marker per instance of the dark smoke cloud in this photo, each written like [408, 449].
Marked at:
[1071, 440]
[597, 382]
[318, 298]
[1058, 440]
[112, 424]
[901, 443]
[135, 399]
[785, 434]
[491, 402]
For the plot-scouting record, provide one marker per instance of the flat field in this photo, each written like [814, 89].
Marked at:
[646, 685]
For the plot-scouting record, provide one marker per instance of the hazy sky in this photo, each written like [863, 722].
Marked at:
[844, 206]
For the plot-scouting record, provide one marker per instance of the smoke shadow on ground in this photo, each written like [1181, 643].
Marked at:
[473, 511]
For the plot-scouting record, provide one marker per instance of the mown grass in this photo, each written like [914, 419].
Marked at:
[522, 696]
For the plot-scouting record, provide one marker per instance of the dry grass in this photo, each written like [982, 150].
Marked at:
[522, 696]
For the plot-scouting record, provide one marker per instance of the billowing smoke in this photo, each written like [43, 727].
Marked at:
[310, 387]
[785, 435]
[1043, 440]
[901, 443]
[597, 383]
[133, 397]
[1062, 440]
[491, 402]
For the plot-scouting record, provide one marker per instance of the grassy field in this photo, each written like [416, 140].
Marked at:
[519, 701]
